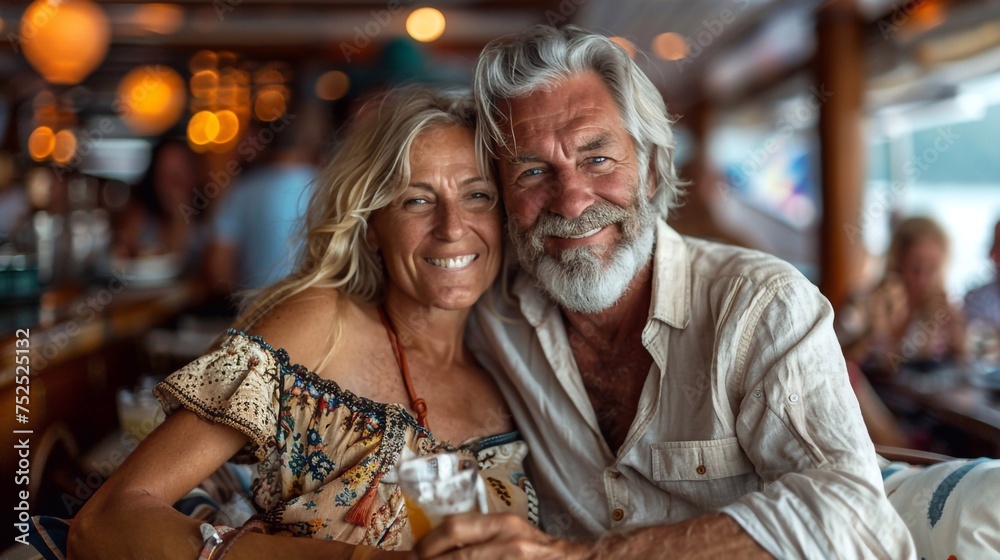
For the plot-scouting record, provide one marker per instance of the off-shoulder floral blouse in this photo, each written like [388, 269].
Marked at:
[320, 448]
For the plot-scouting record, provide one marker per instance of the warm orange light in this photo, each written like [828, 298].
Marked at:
[46, 109]
[670, 46]
[41, 143]
[928, 15]
[151, 99]
[229, 126]
[40, 181]
[332, 85]
[159, 18]
[203, 60]
[204, 82]
[65, 147]
[625, 44]
[268, 75]
[203, 128]
[269, 105]
[425, 24]
[65, 40]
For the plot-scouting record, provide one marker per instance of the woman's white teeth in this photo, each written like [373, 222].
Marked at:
[457, 262]
[586, 234]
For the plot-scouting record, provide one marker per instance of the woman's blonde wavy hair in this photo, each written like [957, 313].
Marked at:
[369, 169]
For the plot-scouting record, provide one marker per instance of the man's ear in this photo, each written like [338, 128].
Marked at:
[651, 178]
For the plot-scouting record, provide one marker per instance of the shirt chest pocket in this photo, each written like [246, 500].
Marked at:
[707, 474]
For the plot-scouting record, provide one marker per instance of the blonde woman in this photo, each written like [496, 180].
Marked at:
[911, 320]
[353, 361]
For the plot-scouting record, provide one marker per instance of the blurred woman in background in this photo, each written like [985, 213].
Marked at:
[912, 323]
[155, 222]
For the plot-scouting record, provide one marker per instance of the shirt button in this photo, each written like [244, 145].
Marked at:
[793, 398]
[617, 515]
[615, 474]
[701, 469]
[757, 393]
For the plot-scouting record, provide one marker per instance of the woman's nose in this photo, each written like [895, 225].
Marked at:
[450, 220]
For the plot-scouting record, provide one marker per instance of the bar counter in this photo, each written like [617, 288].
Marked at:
[84, 344]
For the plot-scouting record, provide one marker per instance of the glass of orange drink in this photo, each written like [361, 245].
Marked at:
[438, 485]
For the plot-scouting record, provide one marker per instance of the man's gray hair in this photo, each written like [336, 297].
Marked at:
[518, 64]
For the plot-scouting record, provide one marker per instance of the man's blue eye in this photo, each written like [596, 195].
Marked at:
[598, 159]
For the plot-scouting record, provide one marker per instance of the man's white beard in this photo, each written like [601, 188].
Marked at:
[589, 279]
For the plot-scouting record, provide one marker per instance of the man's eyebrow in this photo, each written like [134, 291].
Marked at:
[595, 144]
[524, 158]
[601, 141]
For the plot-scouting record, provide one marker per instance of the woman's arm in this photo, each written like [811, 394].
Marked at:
[131, 515]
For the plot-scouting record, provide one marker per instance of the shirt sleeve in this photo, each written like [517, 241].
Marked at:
[236, 385]
[800, 424]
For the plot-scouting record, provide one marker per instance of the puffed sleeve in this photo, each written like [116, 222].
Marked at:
[800, 425]
[236, 385]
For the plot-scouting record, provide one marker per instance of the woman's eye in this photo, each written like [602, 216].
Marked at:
[532, 172]
[482, 195]
[416, 202]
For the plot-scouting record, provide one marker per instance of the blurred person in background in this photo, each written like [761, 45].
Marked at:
[911, 321]
[154, 222]
[982, 305]
[253, 239]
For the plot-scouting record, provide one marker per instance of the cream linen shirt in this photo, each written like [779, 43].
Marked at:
[747, 410]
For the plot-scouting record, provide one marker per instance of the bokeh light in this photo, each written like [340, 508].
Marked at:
[269, 105]
[229, 126]
[65, 147]
[159, 18]
[204, 82]
[41, 143]
[151, 99]
[203, 60]
[203, 128]
[425, 24]
[625, 44]
[66, 40]
[670, 46]
[332, 85]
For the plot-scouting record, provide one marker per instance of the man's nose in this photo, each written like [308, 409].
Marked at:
[571, 195]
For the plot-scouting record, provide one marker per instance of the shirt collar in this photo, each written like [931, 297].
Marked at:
[535, 305]
[671, 284]
[671, 301]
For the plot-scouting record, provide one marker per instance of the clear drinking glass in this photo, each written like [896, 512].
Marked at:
[438, 485]
[983, 344]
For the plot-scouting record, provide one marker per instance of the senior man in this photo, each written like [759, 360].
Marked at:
[681, 398]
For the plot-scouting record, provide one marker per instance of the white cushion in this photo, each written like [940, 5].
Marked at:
[952, 508]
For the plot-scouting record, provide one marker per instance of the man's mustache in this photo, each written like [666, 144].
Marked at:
[597, 216]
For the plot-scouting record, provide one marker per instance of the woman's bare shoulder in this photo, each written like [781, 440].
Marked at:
[303, 325]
